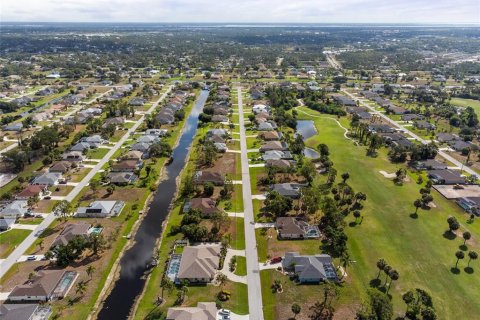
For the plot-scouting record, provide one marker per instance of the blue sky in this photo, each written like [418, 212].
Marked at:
[307, 11]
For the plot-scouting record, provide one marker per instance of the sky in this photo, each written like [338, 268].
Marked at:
[246, 11]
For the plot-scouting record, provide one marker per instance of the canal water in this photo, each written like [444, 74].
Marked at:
[307, 129]
[130, 284]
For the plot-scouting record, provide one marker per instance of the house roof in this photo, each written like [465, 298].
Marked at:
[203, 311]
[17, 311]
[70, 231]
[273, 145]
[205, 205]
[199, 262]
[60, 166]
[291, 225]
[31, 191]
[209, 176]
[49, 178]
[133, 155]
[121, 177]
[43, 284]
[281, 163]
[446, 176]
[270, 135]
[16, 208]
[125, 165]
[287, 189]
[310, 267]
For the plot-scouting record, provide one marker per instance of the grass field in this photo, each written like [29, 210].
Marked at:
[10, 239]
[417, 248]
[475, 104]
[97, 153]
[241, 269]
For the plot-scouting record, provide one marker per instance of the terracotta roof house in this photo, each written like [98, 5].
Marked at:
[199, 263]
[31, 191]
[206, 206]
[203, 311]
[60, 166]
[100, 209]
[310, 269]
[126, 165]
[296, 228]
[208, 176]
[70, 231]
[274, 146]
[46, 285]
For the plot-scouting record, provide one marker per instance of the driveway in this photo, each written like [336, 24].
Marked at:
[226, 268]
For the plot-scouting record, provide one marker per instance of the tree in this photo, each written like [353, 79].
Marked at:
[96, 242]
[166, 284]
[466, 236]
[381, 264]
[81, 287]
[418, 204]
[472, 255]
[419, 301]
[377, 307]
[94, 184]
[208, 189]
[110, 189]
[90, 271]
[345, 177]
[277, 204]
[393, 274]
[296, 309]
[357, 215]
[387, 270]
[460, 255]
[222, 279]
[453, 224]
[308, 170]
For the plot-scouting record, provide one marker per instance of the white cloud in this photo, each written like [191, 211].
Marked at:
[308, 11]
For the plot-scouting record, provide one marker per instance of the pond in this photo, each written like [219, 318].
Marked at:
[306, 128]
[310, 153]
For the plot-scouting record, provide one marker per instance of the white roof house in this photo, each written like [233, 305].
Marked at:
[101, 209]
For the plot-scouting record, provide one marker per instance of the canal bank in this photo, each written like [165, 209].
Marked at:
[131, 277]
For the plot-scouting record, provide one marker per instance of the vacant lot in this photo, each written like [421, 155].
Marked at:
[10, 239]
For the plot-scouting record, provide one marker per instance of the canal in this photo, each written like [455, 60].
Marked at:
[130, 283]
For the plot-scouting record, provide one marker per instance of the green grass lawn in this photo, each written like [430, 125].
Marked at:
[31, 221]
[414, 247]
[10, 239]
[97, 153]
[238, 234]
[475, 104]
[255, 174]
[241, 269]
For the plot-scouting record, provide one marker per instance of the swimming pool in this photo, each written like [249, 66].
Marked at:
[96, 230]
[65, 284]
[174, 266]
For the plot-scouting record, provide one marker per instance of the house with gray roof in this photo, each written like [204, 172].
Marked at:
[101, 209]
[6, 223]
[15, 209]
[48, 179]
[267, 126]
[122, 178]
[295, 228]
[80, 147]
[29, 311]
[446, 177]
[310, 269]
[289, 190]
[71, 231]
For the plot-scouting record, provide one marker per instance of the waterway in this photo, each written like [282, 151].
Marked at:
[130, 283]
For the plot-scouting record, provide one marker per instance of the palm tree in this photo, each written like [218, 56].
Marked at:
[459, 255]
[81, 288]
[466, 236]
[381, 264]
[393, 274]
[344, 260]
[417, 203]
[296, 309]
[387, 270]
[357, 215]
[345, 177]
[473, 256]
[166, 284]
[221, 278]
[90, 271]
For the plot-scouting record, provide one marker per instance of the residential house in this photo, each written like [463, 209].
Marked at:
[380, 128]
[48, 179]
[220, 147]
[203, 311]
[219, 118]
[156, 132]
[29, 311]
[217, 132]
[127, 166]
[31, 191]
[296, 228]
[274, 146]
[270, 135]
[61, 167]
[93, 141]
[202, 177]
[73, 156]
[80, 147]
[122, 178]
[13, 127]
[447, 137]
[133, 155]
[277, 155]
[446, 177]
[278, 163]
[199, 263]
[267, 126]
[137, 101]
[259, 108]
[460, 145]
[430, 164]
[424, 125]
[310, 269]
[141, 146]
[206, 206]
[412, 117]
[71, 231]
[99, 209]
[470, 204]
[116, 121]
[46, 285]
[6, 224]
[289, 190]
[343, 100]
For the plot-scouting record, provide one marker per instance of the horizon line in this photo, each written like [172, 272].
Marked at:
[252, 22]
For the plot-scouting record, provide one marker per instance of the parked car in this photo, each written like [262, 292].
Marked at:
[275, 260]
[31, 258]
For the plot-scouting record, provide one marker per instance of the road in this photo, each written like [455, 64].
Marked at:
[333, 62]
[255, 304]
[7, 263]
[410, 133]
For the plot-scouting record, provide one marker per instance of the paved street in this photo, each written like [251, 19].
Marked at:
[7, 263]
[255, 304]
